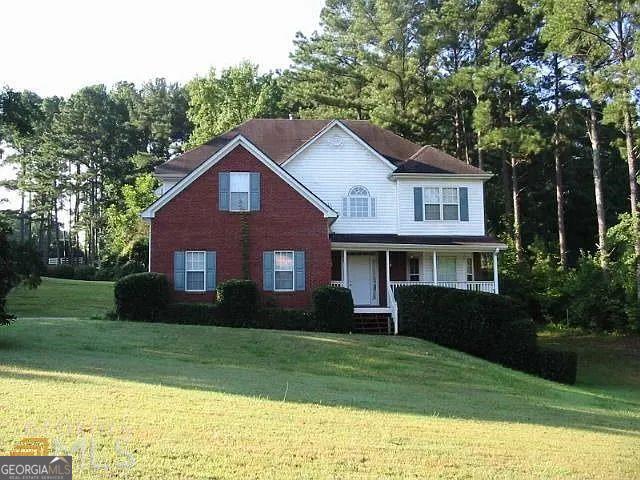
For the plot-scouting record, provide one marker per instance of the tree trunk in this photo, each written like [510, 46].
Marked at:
[633, 192]
[594, 137]
[517, 228]
[506, 189]
[562, 243]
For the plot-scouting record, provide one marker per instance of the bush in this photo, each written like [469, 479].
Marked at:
[141, 296]
[333, 309]
[238, 302]
[488, 326]
[286, 319]
[85, 272]
[190, 314]
[61, 271]
[557, 365]
[107, 273]
[131, 267]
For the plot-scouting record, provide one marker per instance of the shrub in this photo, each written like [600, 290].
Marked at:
[333, 309]
[489, 326]
[141, 296]
[238, 302]
[190, 313]
[61, 271]
[85, 272]
[286, 319]
[131, 267]
[107, 273]
[557, 365]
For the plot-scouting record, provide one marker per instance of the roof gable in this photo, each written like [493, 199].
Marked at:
[238, 140]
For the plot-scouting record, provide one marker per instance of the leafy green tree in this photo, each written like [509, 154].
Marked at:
[218, 103]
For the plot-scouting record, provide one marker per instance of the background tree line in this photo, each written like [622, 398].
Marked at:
[544, 94]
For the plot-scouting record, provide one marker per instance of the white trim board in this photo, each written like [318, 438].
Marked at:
[361, 247]
[349, 132]
[239, 140]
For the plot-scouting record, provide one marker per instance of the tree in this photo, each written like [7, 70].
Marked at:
[124, 227]
[217, 104]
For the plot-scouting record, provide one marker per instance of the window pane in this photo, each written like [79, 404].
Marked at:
[195, 261]
[283, 261]
[414, 269]
[431, 195]
[449, 195]
[239, 181]
[450, 212]
[446, 269]
[359, 207]
[195, 280]
[284, 280]
[239, 201]
[432, 212]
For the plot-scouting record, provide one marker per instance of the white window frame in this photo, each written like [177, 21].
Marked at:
[441, 203]
[470, 271]
[419, 259]
[204, 270]
[248, 176]
[293, 271]
[359, 196]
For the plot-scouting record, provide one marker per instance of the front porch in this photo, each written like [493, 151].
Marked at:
[373, 274]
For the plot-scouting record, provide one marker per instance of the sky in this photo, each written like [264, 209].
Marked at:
[55, 47]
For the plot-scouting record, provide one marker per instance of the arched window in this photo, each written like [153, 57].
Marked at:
[358, 203]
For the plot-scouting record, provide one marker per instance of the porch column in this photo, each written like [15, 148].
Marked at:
[344, 269]
[435, 269]
[495, 272]
[388, 270]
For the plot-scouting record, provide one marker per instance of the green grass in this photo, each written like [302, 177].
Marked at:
[57, 297]
[206, 402]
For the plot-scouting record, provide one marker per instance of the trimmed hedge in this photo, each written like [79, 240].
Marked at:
[142, 296]
[238, 302]
[61, 271]
[286, 319]
[557, 365]
[190, 314]
[488, 326]
[85, 272]
[333, 309]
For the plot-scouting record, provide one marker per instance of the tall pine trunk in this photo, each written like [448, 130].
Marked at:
[562, 242]
[594, 137]
[517, 227]
[633, 191]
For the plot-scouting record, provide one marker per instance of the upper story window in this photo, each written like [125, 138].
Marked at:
[239, 188]
[441, 203]
[359, 203]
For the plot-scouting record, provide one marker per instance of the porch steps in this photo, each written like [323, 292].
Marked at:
[372, 323]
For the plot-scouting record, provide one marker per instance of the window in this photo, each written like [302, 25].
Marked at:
[441, 203]
[283, 271]
[450, 203]
[431, 203]
[195, 271]
[469, 269]
[446, 269]
[414, 269]
[359, 204]
[239, 186]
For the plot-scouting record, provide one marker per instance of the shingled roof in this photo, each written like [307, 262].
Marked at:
[280, 138]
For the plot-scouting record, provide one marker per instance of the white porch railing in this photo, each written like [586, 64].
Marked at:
[337, 283]
[485, 286]
[393, 306]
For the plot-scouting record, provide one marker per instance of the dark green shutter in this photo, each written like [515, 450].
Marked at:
[464, 204]
[223, 191]
[211, 271]
[267, 271]
[178, 271]
[418, 205]
[299, 270]
[254, 181]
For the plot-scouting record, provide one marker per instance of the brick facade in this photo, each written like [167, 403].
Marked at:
[286, 221]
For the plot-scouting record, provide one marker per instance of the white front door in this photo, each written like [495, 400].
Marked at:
[363, 279]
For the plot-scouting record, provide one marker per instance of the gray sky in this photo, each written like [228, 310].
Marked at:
[55, 47]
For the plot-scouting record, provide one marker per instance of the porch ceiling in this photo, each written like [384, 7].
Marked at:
[393, 241]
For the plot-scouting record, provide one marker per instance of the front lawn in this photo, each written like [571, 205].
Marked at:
[206, 402]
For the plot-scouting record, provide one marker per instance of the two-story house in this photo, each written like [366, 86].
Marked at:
[295, 204]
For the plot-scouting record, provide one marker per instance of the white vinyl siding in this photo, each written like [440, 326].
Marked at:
[333, 165]
[407, 225]
[195, 271]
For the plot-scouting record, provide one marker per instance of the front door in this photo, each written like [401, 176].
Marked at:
[363, 279]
